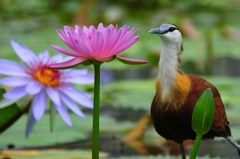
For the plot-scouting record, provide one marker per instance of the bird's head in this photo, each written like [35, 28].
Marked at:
[169, 33]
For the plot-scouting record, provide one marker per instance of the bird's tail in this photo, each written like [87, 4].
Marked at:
[234, 143]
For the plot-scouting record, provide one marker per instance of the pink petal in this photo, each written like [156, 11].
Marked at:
[84, 37]
[112, 41]
[100, 27]
[67, 64]
[131, 61]
[62, 50]
[126, 45]
[127, 36]
[97, 43]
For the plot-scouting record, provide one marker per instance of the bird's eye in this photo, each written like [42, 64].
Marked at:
[171, 29]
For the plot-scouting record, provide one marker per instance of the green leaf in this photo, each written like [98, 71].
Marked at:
[8, 115]
[203, 113]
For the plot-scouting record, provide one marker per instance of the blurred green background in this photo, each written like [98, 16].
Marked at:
[211, 31]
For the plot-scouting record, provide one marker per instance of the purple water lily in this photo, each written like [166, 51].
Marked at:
[43, 83]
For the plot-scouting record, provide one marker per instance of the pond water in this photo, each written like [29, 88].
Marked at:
[115, 146]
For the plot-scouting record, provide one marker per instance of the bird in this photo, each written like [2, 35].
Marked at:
[177, 93]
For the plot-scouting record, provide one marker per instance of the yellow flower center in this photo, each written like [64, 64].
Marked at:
[47, 76]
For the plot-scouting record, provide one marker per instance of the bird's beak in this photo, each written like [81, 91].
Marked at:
[156, 31]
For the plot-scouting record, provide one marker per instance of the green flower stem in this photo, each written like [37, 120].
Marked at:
[96, 102]
[196, 146]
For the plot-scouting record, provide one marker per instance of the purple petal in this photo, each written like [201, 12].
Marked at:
[131, 61]
[67, 64]
[30, 124]
[44, 56]
[15, 93]
[72, 105]
[12, 68]
[63, 112]
[75, 72]
[78, 96]
[23, 52]
[57, 58]
[33, 87]
[85, 79]
[64, 51]
[54, 95]
[39, 105]
[14, 81]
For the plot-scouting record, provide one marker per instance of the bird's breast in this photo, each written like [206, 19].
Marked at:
[177, 96]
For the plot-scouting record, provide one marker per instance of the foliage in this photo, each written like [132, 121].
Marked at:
[203, 112]
[202, 118]
[9, 114]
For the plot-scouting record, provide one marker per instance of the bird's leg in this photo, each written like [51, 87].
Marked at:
[234, 143]
[182, 150]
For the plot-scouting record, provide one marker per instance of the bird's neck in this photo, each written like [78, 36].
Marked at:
[168, 68]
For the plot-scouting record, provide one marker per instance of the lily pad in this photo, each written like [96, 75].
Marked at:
[137, 94]
[41, 135]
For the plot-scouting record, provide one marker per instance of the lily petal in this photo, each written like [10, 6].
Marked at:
[30, 124]
[44, 56]
[39, 105]
[67, 52]
[86, 79]
[125, 45]
[72, 105]
[63, 112]
[12, 68]
[54, 95]
[75, 72]
[14, 81]
[33, 87]
[15, 93]
[67, 64]
[78, 96]
[23, 52]
[131, 61]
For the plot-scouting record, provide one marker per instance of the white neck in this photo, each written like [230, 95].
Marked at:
[168, 66]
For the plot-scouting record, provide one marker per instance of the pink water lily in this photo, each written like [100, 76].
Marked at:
[96, 44]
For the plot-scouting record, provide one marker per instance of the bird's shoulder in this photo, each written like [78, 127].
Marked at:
[198, 85]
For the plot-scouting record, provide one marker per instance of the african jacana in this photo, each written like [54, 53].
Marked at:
[177, 94]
